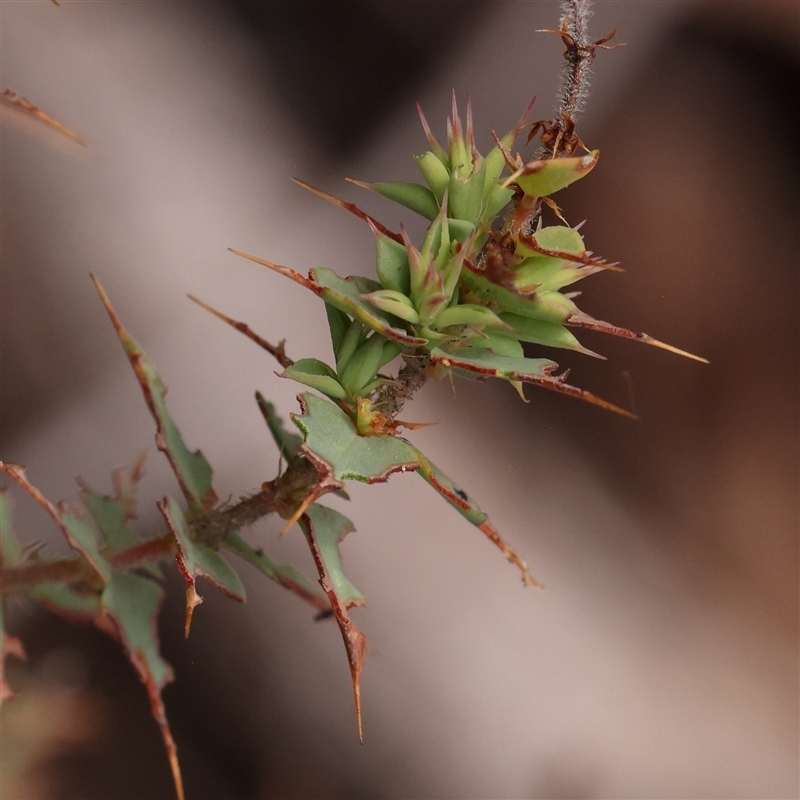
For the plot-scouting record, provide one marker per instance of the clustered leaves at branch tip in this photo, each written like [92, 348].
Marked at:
[488, 277]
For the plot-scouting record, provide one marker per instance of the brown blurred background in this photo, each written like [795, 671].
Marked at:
[662, 661]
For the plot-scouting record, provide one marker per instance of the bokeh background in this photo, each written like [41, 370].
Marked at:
[662, 660]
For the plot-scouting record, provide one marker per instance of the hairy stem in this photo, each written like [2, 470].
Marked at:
[391, 398]
[579, 55]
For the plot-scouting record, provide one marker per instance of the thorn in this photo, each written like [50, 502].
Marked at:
[351, 207]
[357, 695]
[287, 271]
[669, 348]
[301, 509]
[435, 146]
[277, 352]
[192, 601]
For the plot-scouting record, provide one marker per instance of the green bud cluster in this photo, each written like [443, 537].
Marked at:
[474, 291]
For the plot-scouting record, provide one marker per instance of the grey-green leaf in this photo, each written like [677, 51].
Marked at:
[333, 444]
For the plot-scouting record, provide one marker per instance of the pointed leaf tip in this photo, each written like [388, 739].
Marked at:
[324, 529]
[191, 469]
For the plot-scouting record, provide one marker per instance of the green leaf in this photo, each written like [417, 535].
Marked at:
[283, 574]
[393, 302]
[79, 532]
[471, 511]
[329, 527]
[527, 370]
[550, 334]
[64, 600]
[132, 604]
[334, 446]
[354, 338]
[501, 343]
[344, 294]
[415, 196]
[317, 375]
[459, 229]
[543, 178]
[112, 513]
[553, 237]
[435, 173]
[111, 518]
[547, 306]
[10, 548]
[324, 529]
[339, 323]
[391, 263]
[195, 559]
[365, 363]
[288, 443]
[466, 195]
[67, 602]
[468, 314]
[496, 200]
[191, 469]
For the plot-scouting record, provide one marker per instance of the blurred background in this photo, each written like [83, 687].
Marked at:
[662, 660]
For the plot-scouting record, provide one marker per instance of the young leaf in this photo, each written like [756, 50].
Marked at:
[191, 469]
[415, 196]
[317, 375]
[543, 178]
[391, 263]
[339, 323]
[435, 173]
[468, 314]
[393, 302]
[335, 448]
[549, 334]
[195, 559]
[346, 293]
[362, 368]
[324, 529]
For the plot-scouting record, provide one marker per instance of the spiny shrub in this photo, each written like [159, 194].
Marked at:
[489, 275]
